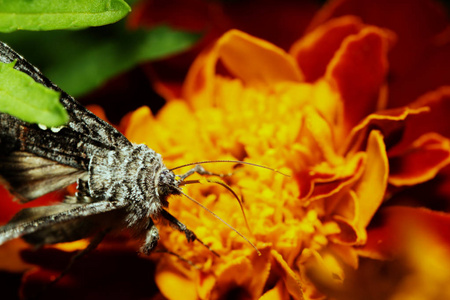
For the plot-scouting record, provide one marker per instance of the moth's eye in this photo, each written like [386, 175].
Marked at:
[166, 183]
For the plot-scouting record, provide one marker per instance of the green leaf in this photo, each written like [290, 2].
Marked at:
[80, 61]
[28, 100]
[57, 14]
[94, 63]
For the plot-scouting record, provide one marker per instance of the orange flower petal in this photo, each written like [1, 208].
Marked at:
[387, 240]
[419, 61]
[429, 71]
[371, 187]
[205, 283]
[244, 276]
[314, 51]
[8, 207]
[389, 122]
[140, 119]
[169, 275]
[357, 208]
[421, 162]
[98, 111]
[10, 259]
[265, 64]
[426, 264]
[345, 217]
[420, 21]
[290, 279]
[320, 269]
[437, 104]
[288, 19]
[324, 181]
[358, 71]
[347, 254]
[276, 293]
[141, 123]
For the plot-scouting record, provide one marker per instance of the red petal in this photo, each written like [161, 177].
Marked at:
[358, 71]
[421, 162]
[316, 183]
[420, 60]
[9, 207]
[356, 209]
[391, 123]
[434, 120]
[314, 51]
[415, 22]
[387, 239]
[288, 19]
[431, 71]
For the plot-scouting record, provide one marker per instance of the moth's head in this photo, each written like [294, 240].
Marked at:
[166, 184]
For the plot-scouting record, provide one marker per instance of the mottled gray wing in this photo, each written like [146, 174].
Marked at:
[35, 221]
[29, 176]
[34, 161]
[81, 121]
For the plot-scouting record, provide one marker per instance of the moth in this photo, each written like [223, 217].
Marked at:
[120, 184]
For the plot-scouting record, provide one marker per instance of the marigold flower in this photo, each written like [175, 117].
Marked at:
[320, 112]
[246, 99]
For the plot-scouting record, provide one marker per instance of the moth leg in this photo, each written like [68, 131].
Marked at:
[151, 238]
[202, 171]
[190, 235]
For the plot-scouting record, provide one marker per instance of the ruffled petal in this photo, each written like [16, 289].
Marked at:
[243, 277]
[437, 104]
[276, 293]
[314, 51]
[421, 162]
[231, 50]
[141, 119]
[291, 281]
[10, 259]
[168, 276]
[419, 61]
[8, 207]
[387, 239]
[320, 269]
[347, 254]
[358, 71]
[357, 208]
[391, 123]
[371, 187]
[429, 71]
[324, 181]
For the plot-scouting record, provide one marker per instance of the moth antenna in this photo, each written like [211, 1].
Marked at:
[225, 186]
[230, 161]
[220, 219]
